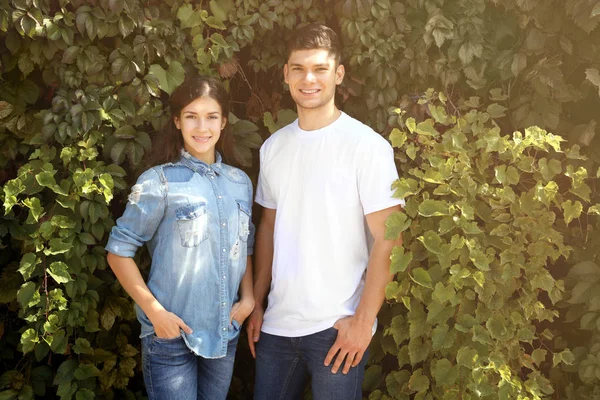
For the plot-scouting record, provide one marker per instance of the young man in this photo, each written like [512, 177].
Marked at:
[324, 183]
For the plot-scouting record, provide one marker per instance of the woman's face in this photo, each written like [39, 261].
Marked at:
[200, 123]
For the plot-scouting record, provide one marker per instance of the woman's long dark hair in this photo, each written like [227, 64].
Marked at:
[169, 142]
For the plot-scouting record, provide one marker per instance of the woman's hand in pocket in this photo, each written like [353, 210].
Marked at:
[241, 310]
[168, 325]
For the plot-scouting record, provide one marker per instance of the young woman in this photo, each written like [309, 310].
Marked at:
[193, 212]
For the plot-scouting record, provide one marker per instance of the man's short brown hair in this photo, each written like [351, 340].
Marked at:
[316, 36]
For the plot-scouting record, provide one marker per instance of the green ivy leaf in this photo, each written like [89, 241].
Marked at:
[432, 242]
[29, 339]
[169, 79]
[433, 208]
[444, 373]
[422, 277]
[82, 346]
[571, 210]
[396, 223]
[28, 295]
[58, 270]
[418, 382]
[400, 260]
[86, 371]
[27, 265]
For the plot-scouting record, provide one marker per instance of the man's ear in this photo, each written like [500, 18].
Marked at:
[176, 122]
[285, 73]
[340, 71]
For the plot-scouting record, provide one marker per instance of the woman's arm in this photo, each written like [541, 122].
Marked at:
[244, 307]
[166, 324]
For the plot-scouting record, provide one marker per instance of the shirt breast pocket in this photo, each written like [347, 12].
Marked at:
[244, 219]
[192, 222]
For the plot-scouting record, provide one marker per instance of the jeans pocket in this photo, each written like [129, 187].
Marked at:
[192, 222]
[244, 220]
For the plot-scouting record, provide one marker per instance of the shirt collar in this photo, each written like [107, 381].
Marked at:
[199, 165]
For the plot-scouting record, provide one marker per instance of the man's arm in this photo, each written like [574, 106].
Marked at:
[263, 255]
[354, 333]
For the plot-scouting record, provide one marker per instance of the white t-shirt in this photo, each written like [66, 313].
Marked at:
[322, 183]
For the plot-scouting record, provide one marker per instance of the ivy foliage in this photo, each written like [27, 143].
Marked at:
[474, 309]
[485, 303]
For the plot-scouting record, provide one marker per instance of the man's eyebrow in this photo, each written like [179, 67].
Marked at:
[302, 65]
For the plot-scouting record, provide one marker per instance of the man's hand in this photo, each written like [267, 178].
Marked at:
[241, 310]
[351, 343]
[255, 322]
[168, 325]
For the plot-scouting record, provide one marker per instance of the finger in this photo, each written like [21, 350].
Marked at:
[332, 352]
[358, 358]
[251, 346]
[338, 362]
[183, 326]
[349, 362]
[253, 337]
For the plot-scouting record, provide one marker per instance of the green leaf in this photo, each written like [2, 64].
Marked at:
[397, 137]
[29, 338]
[571, 210]
[65, 372]
[5, 109]
[405, 187]
[565, 356]
[400, 260]
[396, 223]
[418, 382]
[593, 76]
[86, 371]
[444, 373]
[59, 342]
[59, 271]
[422, 277]
[432, 242]
[538, 356]
[496, 110]
[433, 208]
[82, 346]
[27, 265]
[85, 394]
[28, 295]
[169, 79]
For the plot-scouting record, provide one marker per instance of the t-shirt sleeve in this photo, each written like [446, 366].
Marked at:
[144, 211]
[376, 173]
[264, 195]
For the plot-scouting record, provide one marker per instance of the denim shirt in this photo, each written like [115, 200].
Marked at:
[195, 219]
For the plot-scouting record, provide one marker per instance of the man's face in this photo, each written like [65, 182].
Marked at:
[312, 76]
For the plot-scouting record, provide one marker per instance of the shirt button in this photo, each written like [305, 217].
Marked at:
[220, 197]
[224, 303]
[224, 277]
[224, 250]
[224, 329]
[223, 224]
[212, 177]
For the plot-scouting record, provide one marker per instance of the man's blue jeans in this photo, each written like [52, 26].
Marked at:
[173, 372]
[284, 365]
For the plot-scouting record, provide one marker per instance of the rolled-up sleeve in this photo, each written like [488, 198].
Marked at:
[143, 214]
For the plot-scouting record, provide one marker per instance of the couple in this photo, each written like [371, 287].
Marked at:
[324, 184]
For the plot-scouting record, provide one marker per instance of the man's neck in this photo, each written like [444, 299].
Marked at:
[317, 118]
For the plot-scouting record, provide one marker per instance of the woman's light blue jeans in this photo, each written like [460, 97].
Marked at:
[173, 372]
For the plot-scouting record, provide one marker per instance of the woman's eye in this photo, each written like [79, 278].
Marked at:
[190, 117]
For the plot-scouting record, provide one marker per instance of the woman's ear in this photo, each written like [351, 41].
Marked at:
[224, 123]
[176, 122]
